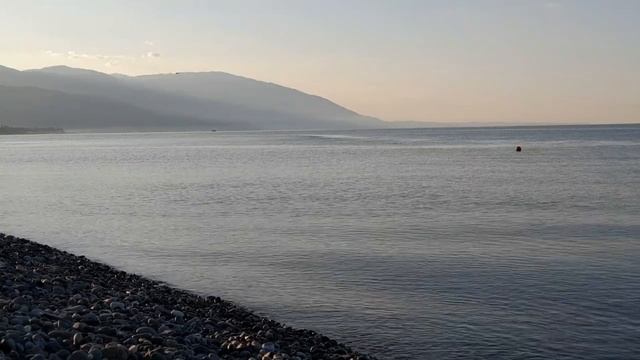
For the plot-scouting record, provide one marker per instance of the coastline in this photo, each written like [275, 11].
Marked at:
[56, 305]
[8, 130]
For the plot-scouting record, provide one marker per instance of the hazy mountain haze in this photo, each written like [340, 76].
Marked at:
[239, 90]
[203, 101]
[38, 108]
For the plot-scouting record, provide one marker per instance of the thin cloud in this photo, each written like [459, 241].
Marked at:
[108, 60]
[52, 53]
[149, 43]
[73, 55]
[77, 55]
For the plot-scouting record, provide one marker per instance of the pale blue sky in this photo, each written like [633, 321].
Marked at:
[477, 60]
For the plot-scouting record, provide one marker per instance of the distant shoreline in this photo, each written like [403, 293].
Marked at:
[9, 130]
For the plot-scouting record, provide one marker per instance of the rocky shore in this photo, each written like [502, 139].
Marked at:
[55, 305]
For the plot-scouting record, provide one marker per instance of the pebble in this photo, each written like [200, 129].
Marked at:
[77, 339]
[78, 355]
[179, 315]
[115, 351]
[116, 306]
[95, 353]
[91, 319]
[145, 330]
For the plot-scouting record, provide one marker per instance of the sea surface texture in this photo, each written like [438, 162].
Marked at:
[407, 244]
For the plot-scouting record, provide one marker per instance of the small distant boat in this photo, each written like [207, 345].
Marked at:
[213, 130]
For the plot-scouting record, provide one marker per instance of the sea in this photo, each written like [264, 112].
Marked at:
[441, 243]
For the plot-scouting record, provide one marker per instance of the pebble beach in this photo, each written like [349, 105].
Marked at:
[56, 305]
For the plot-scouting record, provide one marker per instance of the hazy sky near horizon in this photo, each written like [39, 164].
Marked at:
[561, 61]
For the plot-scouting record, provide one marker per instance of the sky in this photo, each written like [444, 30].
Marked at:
[484, 61]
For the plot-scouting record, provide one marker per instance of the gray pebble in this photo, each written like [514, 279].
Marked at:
[145, 330]
[95, 353]
[78, 355]
[116, 306]
[77, 339]
[177, 314]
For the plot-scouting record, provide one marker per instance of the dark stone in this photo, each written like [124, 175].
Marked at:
[91, 319]
[109, 331]
[63, 354]
[7, 344]
[145, 330]
[79, 355]
[60, 334]
[77, 339]
[52, 346]
[95, 353]
[117, 306]
[115, 352]
[154, 355]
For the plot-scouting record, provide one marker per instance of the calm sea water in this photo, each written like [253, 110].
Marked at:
[407, 244]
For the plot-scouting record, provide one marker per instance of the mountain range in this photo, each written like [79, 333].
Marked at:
[80, 99]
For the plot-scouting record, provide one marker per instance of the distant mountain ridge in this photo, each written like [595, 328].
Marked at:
[32, 107]
[239, 90]
[165, 101]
